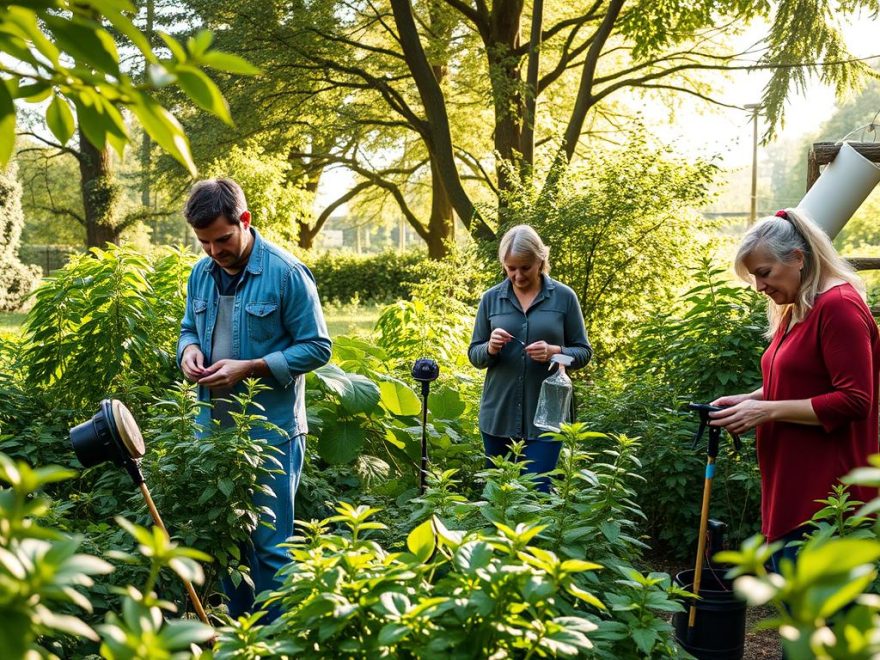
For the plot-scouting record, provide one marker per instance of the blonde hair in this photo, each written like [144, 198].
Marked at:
[782, 236]
[523, 241]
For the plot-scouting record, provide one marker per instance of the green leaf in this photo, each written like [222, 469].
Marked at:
[164, 129]
[225, 485]
[399, 399]
[178, 635]
[7, 125]
[203, 91]
[446, 403]
[357, 394]
[177, 51]
[391, 633]
[342, 442]
[60, 120]
[229, 63]
[421, 541]
[85, 41]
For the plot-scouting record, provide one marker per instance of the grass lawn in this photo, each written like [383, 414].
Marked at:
[350, 319]
[341, 319]
[10, 322]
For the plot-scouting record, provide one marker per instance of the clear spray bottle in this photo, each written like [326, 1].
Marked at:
[554, 402]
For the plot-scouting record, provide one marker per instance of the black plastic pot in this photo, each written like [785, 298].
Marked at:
[110, 435]
[719, 630]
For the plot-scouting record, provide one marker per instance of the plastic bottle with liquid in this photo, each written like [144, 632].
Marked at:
[554, 401]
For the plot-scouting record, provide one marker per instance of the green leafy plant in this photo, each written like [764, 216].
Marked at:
[106, 325]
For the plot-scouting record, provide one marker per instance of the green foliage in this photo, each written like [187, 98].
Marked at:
[42, 577]
[825, 602]
[342, 277]
[670, 498]
[107, 325]
[204, 481]
[620, 228]
[473, 579]
[494, 593]
[40, 569]
[716, 336]
[64, 50]
[16, 279]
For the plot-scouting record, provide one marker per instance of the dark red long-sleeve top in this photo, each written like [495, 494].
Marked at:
[832, 357]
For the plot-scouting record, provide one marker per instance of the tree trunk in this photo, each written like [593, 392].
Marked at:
[100, 194]
[506, 78]
[441, 225]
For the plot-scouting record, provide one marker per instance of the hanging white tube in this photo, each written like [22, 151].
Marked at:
[837, 194]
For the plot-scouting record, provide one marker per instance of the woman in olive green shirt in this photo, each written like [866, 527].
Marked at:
[521, 323]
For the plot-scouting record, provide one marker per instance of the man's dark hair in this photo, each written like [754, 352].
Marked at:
[211, 198]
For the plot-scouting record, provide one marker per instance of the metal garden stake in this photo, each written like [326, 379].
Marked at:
[424, 370]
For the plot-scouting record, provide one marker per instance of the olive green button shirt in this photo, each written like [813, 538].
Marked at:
[513, 379]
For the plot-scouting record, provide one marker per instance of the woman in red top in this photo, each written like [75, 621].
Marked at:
[816, 415]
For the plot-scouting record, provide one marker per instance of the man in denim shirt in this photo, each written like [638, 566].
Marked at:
[252, 311]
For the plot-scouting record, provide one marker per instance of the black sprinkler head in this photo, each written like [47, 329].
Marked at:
[425, 370]
[110, 435]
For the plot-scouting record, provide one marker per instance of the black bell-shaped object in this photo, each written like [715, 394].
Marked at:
[110, 435]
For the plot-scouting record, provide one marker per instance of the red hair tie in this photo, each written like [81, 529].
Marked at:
[782, 214]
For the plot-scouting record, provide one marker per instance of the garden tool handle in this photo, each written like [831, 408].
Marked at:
[193, 596]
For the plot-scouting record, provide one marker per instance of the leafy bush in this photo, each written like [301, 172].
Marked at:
[204, 480]
[826, 602]
[711, 345]
[41, 573]
[342, 277]
[107, 325]
[16, 279]
[477, 579]
[671, 493]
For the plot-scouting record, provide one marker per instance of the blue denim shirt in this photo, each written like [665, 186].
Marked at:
[277, 317]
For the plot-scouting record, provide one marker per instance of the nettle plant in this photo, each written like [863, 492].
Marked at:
[204, 480]
[826, 603]
[43, 577]
[489, 578]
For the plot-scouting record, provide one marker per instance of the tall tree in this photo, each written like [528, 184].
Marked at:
[403, 90]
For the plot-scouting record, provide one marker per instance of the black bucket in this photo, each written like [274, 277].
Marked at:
[719, 631]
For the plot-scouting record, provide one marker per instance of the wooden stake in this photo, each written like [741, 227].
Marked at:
[701, 542]
[193, 596]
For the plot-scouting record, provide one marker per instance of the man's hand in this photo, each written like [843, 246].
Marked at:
[192, 363]
[226, 373]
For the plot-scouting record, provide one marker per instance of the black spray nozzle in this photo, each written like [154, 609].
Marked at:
[703, 409]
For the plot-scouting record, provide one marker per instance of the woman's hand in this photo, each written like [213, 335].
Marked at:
[742, 416]
[497, 340]
[731, 399]
[541, 351]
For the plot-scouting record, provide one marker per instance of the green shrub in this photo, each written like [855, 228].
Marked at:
[107, 325]
[515, 573]
[708, 345]
[17, 280]
[671, 493]
[342, 276]
[42, 578]
[825, 604]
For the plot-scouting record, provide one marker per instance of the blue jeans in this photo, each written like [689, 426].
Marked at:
[786, 551]
[262, 555]
[541, 454]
